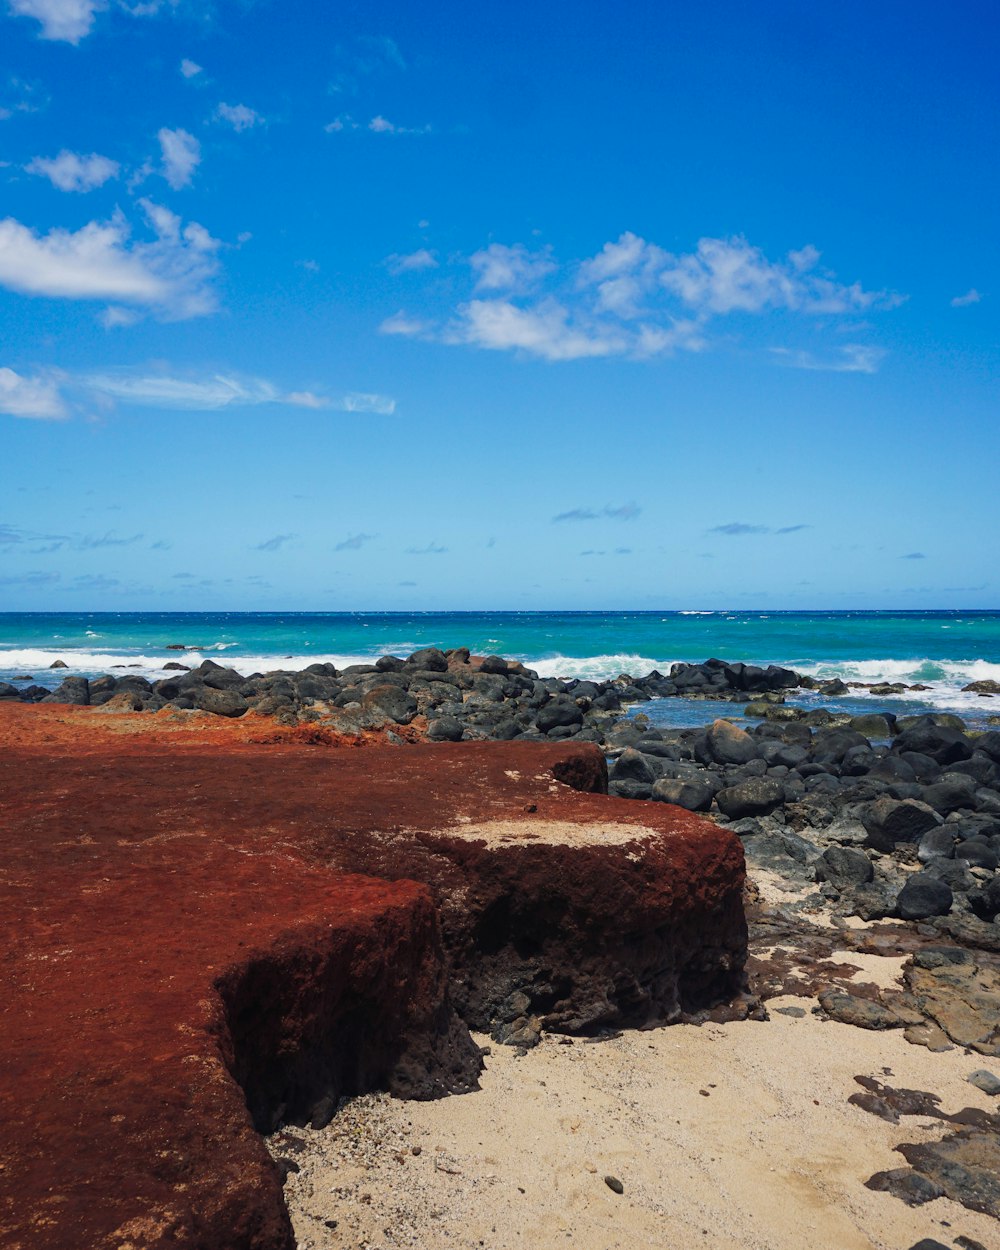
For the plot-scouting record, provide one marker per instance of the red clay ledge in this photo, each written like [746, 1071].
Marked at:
[207, 936]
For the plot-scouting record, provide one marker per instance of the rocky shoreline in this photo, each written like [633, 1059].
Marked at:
[889, 815]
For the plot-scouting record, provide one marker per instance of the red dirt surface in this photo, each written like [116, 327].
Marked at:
[190, 948]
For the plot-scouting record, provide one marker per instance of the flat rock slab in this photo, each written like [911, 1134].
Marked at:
[204, 935]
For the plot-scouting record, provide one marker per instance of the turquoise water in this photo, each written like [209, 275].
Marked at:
[945, 650]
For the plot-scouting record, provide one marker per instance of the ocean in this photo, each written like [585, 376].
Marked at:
[943, 650]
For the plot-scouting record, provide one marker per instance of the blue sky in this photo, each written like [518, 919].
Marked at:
[538, 305]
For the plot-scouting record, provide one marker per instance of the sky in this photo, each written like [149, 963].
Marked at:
[380, 306]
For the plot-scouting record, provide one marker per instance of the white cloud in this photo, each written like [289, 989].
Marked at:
[359, 402]
[513, 269]
[420, 259]
[69, 21]
[382, 126]
[403, 324]
[635, 299]
[239, 116]
[169, 275]
[181, 156]
[971, 296]
[729, 275]
[30, 397]
[70, 171]
[190, 69]
[65, 20]
[544, 330]
[851, 358]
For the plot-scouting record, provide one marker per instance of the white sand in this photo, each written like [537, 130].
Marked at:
[773, 1158]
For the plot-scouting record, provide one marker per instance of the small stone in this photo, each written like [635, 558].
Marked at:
[614, 1184]
[415, 1150]
[985, 1080]
[797, 1012]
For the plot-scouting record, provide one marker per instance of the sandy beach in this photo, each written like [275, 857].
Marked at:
[733, 1136]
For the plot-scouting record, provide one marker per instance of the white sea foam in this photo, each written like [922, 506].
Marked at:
[596, 667]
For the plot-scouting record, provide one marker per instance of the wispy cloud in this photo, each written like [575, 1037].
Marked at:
[54, 395]
[70, 171]
[377, 125]
[411, 262]
[971, 296]
[735, 529]
[914, 555]
[635, 299]
[33, 578]
[851, 358]
[240, 116]
[275, 543]
[36, 397]
[354, 542]
[432, 549]
[190, 69]
[170, 274]
[619, 512]
[356, 401]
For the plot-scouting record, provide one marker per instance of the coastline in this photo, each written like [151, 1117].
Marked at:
[845, 970]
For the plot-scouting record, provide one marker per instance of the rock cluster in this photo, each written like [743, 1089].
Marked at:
[908, 827]
[461, 696]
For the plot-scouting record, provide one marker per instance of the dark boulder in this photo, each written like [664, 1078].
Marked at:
[844, 867]
[429, 658]
[398, 705]
[924, 896]
[989, 744]
[74, 690]
[889, 821]
[953, 792]
[755, 797]
[942, 743]
[445, 729]
[494, 664]
[218, 702]
[559, 711]
[977, 854]
[937, 843]
[696, 794]
[632, 765]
